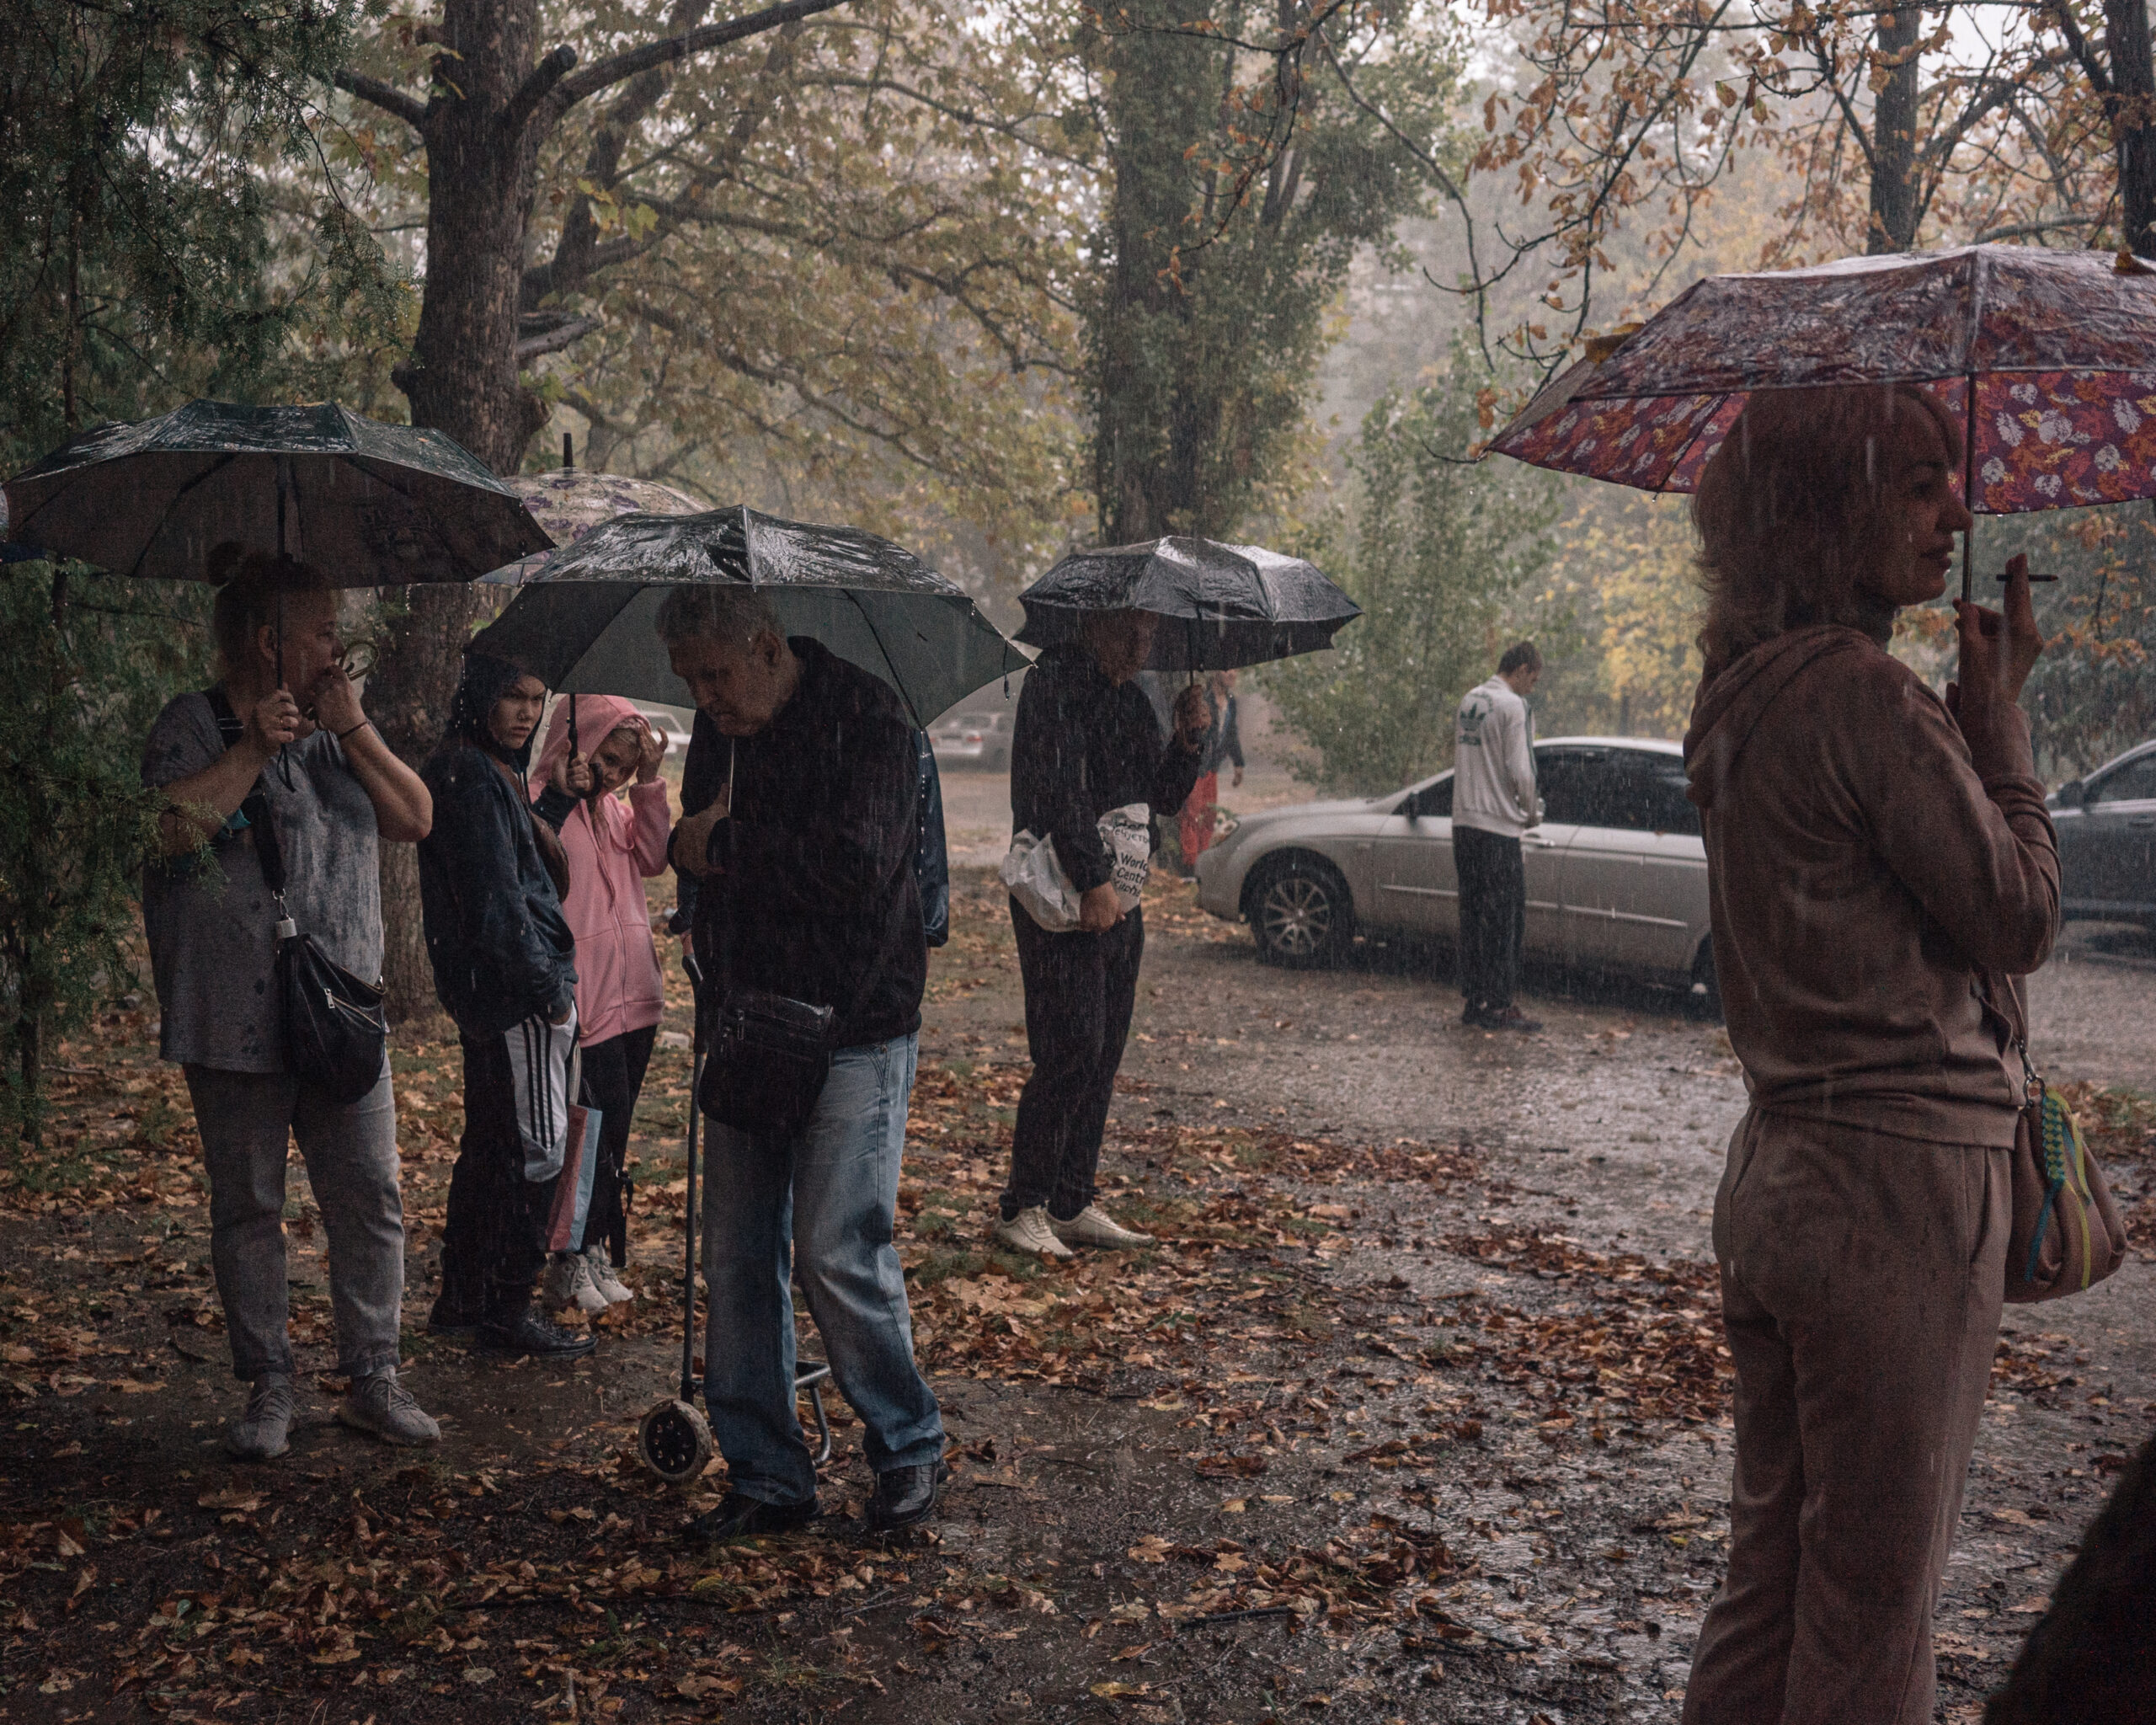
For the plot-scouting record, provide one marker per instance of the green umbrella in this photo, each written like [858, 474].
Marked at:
[369, 505]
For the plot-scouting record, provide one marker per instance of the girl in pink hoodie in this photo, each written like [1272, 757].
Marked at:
[611, 847]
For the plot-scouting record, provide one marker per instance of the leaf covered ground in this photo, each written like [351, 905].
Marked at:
[1368, 1432]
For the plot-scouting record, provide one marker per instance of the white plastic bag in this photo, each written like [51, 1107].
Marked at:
[1033, 874]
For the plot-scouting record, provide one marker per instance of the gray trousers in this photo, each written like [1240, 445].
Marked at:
[247, 1120]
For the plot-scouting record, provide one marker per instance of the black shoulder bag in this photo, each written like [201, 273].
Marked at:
[336, 1026]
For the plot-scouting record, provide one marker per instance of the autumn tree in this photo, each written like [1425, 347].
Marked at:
[1238, 178]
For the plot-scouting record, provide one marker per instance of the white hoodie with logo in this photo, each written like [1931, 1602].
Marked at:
[1494, 764]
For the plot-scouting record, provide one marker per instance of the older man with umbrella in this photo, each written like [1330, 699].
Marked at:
[811, 654]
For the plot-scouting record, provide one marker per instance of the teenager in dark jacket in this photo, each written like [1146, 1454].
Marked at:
[1085, 741]
[491, 876]
[802, 787]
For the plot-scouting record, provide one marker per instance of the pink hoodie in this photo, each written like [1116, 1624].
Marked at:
[610, 848]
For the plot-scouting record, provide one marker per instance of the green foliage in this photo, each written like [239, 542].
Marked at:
[85, 664]
[1238, 185]
[148, 257]
[1440, 553]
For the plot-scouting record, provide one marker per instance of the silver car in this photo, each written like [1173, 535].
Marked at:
[2107, 827]
[1616, 874]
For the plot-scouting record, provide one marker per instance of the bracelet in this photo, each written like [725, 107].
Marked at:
[355, 730]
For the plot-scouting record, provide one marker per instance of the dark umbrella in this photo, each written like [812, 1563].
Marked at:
[369, 505]
[586, 622]
[1236, 605]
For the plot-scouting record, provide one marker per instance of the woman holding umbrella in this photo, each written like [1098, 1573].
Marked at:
[282, 744]
[1881, 870]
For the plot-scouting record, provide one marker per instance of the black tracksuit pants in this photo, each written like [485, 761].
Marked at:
[1080, 990]
[1492, 915]
[613, 1079]
[493, 1240]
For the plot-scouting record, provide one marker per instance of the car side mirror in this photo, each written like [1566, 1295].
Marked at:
[2072, 793]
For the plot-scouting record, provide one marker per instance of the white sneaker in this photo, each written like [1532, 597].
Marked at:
[612, 1287]
[1029, 1231]
[1093, 1227]
[568, 1283]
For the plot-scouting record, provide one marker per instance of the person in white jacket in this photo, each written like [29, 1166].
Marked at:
[1493, 802]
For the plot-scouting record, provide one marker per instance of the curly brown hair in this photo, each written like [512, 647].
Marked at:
[1790, 506]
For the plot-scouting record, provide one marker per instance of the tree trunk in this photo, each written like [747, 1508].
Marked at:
[1893, 224]
[2132, 108]
[481, 175]
[1149, 423]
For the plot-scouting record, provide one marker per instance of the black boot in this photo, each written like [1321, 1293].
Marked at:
[741, 1518]
[523, 1330]
[905, 1496]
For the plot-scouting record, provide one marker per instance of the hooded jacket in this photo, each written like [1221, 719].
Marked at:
[501, 948]
[611, 846]
[1870, 884]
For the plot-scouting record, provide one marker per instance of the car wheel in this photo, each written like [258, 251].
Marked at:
[1706, 987]
[1301, 913]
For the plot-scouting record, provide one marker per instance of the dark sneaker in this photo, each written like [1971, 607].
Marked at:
[1477, 1017]
[1512, 1018]
[744, 1518]
[905, 1496]
[263, 1432]
[380, 1406]
[528, 1333]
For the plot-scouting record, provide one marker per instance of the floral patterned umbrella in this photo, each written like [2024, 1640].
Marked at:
[569, 502]
[2048, 359]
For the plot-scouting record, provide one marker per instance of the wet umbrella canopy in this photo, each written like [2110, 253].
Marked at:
[2046, 358]
[569, 502]
[1231, 605]
[370, 504]
[587, 622]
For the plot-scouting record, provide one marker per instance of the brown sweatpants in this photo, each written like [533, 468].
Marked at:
[1862, 1276]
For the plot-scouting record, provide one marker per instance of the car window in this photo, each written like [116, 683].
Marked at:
[1627, 789]
[1657, 795]
[1571, 783]
[2134, 783]
[1433, 802]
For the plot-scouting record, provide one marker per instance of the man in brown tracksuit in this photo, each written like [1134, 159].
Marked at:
[1879, 863]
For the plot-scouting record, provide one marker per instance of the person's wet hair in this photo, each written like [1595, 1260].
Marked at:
[1521, 655]
[1792, 506]
[724, 613]
[249, 583]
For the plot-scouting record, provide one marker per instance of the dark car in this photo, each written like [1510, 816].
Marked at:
[2106, 826]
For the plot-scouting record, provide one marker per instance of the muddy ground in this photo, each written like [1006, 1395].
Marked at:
[1415, 1412]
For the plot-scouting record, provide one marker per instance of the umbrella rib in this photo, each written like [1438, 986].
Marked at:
[150, 538]
[876, 635]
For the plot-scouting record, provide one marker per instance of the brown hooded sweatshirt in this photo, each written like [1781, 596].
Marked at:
[1868, 881]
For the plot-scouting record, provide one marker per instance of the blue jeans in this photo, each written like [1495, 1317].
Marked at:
[830, 1199]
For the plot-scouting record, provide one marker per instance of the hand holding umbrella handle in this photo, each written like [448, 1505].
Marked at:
[1998, 653]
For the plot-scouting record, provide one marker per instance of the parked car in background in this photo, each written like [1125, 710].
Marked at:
[1616, 873]
[980, 738]
[2106, 826]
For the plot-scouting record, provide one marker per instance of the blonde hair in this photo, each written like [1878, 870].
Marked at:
[1791, 509]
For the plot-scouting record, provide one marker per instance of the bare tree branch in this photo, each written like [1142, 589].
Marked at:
[619, 68]
[537, 84]
[388, 98]
[554, 340]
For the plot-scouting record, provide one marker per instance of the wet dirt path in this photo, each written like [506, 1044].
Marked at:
[1426, 1430]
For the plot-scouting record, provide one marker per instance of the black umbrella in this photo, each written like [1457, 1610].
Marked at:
[369, 505]
[586, 622]
[1235, 605]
